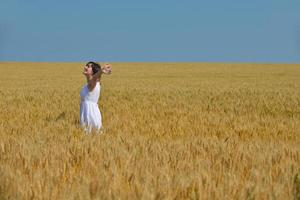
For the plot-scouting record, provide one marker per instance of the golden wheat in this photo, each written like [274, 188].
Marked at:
[171, 131]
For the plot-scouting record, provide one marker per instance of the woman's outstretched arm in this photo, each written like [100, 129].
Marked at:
[106, 69]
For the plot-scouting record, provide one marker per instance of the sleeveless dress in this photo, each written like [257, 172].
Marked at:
[90, 116]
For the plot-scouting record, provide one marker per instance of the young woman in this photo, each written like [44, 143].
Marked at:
[90, 116]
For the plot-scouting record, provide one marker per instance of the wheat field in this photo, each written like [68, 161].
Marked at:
[171, 131]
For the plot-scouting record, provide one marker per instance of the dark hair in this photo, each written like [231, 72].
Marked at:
[95, 66]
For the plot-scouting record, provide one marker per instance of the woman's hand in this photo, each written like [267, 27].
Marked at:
[106, 69]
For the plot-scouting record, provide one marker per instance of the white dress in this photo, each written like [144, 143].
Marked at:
[90, 116]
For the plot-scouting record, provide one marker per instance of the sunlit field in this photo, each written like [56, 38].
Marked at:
[171, 131]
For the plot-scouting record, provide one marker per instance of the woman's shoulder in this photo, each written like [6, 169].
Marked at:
[98, 86]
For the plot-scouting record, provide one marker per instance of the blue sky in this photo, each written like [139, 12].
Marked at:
[265, 31]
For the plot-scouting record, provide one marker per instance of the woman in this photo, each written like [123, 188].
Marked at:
[90, 116]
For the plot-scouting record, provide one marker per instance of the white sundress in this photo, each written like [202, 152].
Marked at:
[90, 116]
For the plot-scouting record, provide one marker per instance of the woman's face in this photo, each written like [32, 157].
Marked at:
[87, 70]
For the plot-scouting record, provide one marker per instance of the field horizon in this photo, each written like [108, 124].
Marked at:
[151, 62]
[172, 130]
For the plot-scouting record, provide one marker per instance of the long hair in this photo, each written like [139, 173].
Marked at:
[95, 66]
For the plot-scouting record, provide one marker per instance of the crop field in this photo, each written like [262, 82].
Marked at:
[170, 131]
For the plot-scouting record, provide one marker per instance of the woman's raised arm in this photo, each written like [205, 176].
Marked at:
[106, 69]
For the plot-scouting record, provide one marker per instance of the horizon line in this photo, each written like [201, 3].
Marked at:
[209, 62]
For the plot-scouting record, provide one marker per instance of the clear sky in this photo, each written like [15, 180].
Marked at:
[165, 30]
